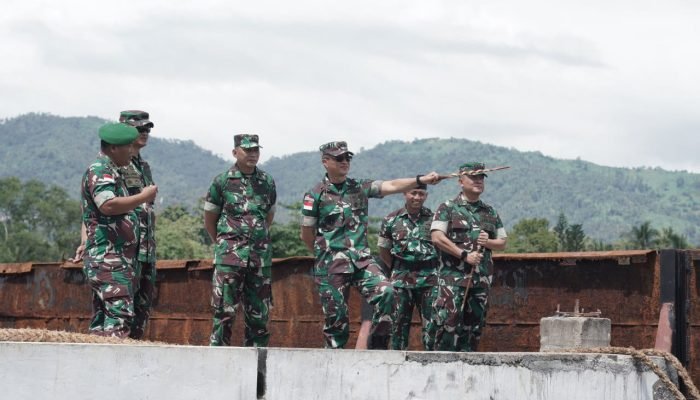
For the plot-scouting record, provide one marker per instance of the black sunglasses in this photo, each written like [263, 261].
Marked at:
[144, 131]
[342, 157]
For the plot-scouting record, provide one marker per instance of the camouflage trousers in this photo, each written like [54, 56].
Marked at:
[405, 299]
[458, 326]
[143, 298]
[233, 287]
[112, 298]
[374, 287]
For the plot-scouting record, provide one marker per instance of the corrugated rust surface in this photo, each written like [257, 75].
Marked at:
[694, 316]
[624, 285]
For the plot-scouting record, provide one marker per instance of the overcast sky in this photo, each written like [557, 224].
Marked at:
[612, 82]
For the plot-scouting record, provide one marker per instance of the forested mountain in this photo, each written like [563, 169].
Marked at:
[57, 151]
[607, 201]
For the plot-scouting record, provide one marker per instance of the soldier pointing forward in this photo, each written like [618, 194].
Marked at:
[334, 227]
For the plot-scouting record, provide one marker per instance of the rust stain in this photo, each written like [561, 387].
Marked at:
[526, 288]
[16, 268]
[171, 264]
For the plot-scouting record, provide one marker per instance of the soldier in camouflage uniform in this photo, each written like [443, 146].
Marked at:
[405, 245]
[112, 232]
[137, 175]
[238, 211]
[465, 231]
[334, 227]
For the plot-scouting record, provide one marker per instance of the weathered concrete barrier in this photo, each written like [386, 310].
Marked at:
[88, 371]
[338, 374]
[66, 371]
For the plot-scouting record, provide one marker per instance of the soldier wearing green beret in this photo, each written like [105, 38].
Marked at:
[112, 232]
[465, 230]
[238, 211]
[137, 176]
[334, 227]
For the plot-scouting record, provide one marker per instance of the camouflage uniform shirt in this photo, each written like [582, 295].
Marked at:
[461, 221]
[411, 248]
[137, 175]
[243, 202]
[340, 218]
[111, 239]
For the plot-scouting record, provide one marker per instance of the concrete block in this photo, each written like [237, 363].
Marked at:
[573, 332]
[64, 371]
[392, 375]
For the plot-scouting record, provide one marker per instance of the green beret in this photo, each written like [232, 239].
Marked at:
[472, 168]
[118, 133]
[246, 141]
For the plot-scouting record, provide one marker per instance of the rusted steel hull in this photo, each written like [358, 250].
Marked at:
[623, 285]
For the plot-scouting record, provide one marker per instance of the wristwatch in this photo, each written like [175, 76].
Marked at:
[418, 182]
[464, 255]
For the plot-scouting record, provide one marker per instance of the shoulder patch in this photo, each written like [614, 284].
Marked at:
[107, 178]
[308, 202]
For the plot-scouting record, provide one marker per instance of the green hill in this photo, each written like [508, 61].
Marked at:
[607, 201]
[57, 150]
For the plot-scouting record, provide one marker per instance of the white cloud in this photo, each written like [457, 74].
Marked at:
[613, 83]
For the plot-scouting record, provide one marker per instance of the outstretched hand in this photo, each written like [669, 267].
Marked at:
[432, 178]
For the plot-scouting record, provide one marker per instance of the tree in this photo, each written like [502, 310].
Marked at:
[39, 222]
[532, 235]
[643, 236]
[181, 235]
[598, 245]
[672, 240]
[570, 237]
[560, 230]
[575, 238]
[286, 241]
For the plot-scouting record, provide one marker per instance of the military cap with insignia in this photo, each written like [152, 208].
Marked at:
[136, 118]
[335, 149]
[472, 168]
[118, 133]
[246, 141]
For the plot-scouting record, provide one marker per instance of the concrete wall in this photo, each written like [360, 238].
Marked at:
[63, 371]
[302, 374]
[80, 371]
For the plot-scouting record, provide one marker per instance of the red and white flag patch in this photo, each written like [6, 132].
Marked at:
[107, 178]
[308, 202]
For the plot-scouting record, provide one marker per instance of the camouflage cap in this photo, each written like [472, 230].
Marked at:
[136, 118]
[335, 149]
[472, 168]
[118, 133]
[246, 141]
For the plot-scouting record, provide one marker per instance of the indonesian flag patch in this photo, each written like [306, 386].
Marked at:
[308, 202]
[107, 178]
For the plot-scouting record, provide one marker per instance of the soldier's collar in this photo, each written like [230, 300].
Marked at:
[332, 187]
[109, 163]
[422, 211]
[462, 200]
[235, 172]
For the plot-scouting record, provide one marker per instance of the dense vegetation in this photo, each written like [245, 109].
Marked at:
[57, 151]
[607, 202]
[546, 204]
